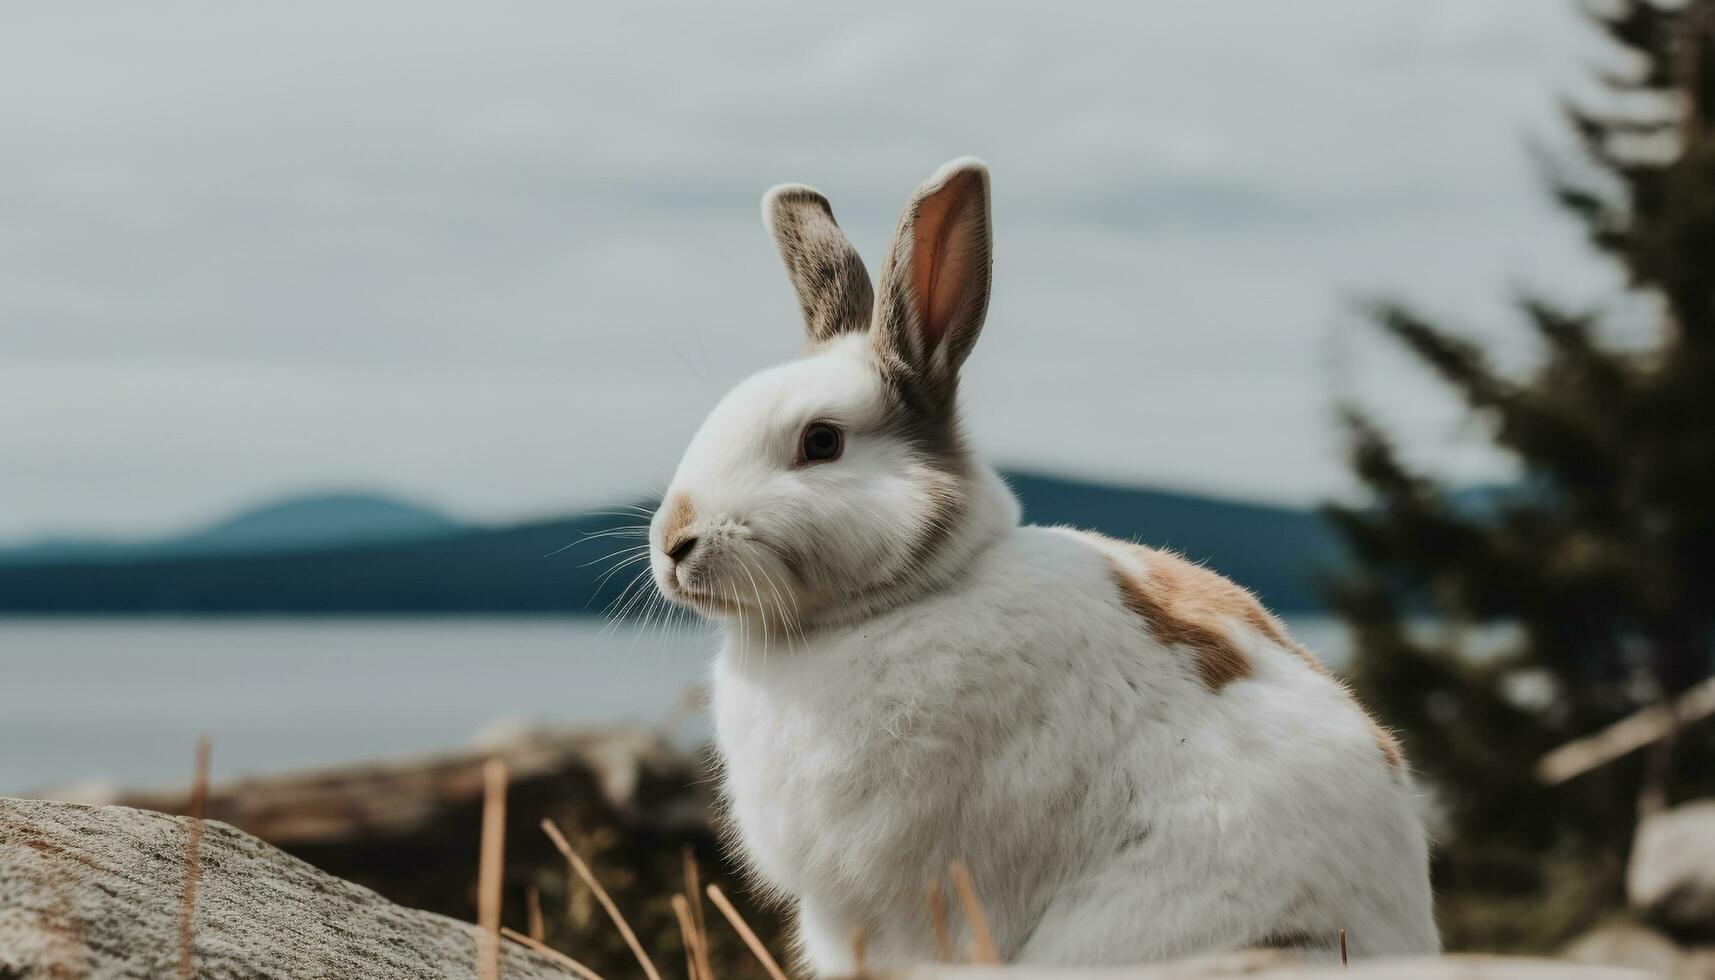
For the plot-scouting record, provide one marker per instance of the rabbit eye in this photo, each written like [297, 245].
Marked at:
[822, 442]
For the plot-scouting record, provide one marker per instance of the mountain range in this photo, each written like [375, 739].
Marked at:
[299, 523]
[356, 554]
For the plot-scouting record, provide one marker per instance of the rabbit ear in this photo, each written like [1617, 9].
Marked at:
[833, 287]
[935, 279]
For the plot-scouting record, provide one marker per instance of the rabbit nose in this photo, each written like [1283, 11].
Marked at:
[682, 549]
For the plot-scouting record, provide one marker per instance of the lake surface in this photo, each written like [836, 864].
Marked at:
[124, 699]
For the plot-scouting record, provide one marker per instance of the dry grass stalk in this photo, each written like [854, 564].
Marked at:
[1343, 960]
[601, 895]
[982, 944]
[199, 779]
[938, 922]
[688, 931]
[490, 873]
[694, 901]
[578, 969]
[193, 860]
[694, 897]
[533, 909]
[687, 935]
[1651, 724]
[859, 942]
[745, 933]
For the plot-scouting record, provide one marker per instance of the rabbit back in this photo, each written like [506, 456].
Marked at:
[1132, 757]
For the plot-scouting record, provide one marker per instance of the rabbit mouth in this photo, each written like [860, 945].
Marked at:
[736, 606]
[706, 601]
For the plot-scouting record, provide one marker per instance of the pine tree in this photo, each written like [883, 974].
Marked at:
[1595, 572]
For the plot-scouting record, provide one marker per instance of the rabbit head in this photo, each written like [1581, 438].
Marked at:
[840, 483]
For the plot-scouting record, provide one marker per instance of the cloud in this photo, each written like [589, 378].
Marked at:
[504, 258]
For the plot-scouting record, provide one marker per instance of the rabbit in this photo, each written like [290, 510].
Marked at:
[1132, 758]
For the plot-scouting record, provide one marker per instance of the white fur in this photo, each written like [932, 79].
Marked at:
[1012, 713]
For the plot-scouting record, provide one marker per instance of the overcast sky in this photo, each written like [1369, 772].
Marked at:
[502, 258]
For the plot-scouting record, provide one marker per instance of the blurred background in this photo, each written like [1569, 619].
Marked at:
[331, 333]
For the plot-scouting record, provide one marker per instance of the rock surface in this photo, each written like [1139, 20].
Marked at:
[96, 892]
[629, 801]
[1671, 877]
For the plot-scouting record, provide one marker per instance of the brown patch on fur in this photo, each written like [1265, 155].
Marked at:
[1386, 741]
[1185, 605]
[946, 508]
[680, 515]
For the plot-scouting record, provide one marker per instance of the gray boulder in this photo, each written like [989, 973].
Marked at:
[97, 891]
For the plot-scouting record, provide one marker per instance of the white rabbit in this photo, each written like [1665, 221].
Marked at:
[1133, 758]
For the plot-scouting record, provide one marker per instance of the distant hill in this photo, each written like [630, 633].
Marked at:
[355, 554]
[322, 521]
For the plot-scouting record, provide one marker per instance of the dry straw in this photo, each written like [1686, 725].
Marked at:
[699, 928]
[491, 871]
[601, 896]
[744, 932]
[688, 931]
[533, 909]
[193, 860]
[694, 898]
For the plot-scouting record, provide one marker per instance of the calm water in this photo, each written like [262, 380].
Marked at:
[124, 699]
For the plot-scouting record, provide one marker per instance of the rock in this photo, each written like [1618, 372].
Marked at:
[631, 802]
[1671, 878]
[1626, 944]
[96, 892]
